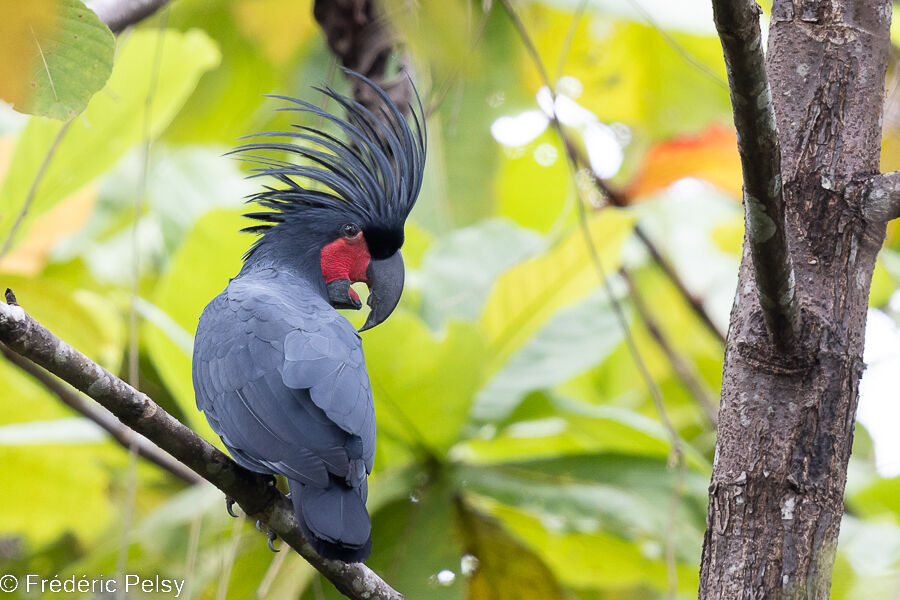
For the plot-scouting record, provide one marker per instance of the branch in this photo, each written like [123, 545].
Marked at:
[119, 14]
[682, 367]
[252, 491]
[102, 417]
[358, 34]
[737, 22]
[881, 197]
[617, 198]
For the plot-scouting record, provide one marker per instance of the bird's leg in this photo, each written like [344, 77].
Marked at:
[229, 506]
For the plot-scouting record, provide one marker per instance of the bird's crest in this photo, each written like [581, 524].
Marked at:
[374, 175]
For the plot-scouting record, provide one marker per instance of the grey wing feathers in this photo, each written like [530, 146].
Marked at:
[275, 415]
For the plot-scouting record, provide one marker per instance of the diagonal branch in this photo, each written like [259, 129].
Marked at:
[253, 491]
[683, 368]
[119, 14]
[737, 22]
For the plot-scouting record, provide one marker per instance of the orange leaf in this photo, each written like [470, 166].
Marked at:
[64, 219]
[711, 155]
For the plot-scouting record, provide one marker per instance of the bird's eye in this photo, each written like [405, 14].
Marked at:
[350, 230]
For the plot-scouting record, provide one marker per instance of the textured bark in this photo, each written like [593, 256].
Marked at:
[786, 418]
[359, 36]
[252, 491]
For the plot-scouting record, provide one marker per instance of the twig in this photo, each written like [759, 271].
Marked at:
[683, 368]
[254, 492]
[737, 22]
[119, 14]
[655, 393]
[32, 190]
[617, 198]
[102, 417]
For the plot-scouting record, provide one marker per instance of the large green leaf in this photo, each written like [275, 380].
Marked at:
[40, 481]
[571, 342]
[113, 122]
[424, 385]
[459, 269]
[593, 559]
[56, 55]
[672, 82]
[575, 428]
[182, 184]
[524, 297]
[626, 496]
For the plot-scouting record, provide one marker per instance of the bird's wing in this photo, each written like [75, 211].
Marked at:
[247, 380]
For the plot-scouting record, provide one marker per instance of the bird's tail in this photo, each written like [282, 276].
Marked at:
[334, 519]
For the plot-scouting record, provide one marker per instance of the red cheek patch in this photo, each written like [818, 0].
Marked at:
[345, 258]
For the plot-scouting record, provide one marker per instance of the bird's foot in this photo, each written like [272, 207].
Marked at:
[229, 506]
[271, 536]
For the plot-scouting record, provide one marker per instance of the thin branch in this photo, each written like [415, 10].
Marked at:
[682, 367]
[617, 198]
[254, 492]
[677, 454]
[102, 417]
[33, 188]
[881, 197]
[737, 22]
[119, 14]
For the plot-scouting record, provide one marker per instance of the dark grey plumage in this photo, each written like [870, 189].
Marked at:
[279, 373]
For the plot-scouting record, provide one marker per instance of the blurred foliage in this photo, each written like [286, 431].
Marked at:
[520, 454]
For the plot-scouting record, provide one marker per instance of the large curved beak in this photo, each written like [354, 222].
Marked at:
[385, 287]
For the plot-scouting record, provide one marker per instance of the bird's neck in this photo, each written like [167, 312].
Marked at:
[290, 260]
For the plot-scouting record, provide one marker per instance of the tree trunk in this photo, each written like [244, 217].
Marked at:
[786, 420]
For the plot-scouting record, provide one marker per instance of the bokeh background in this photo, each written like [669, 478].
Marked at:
[521, 453]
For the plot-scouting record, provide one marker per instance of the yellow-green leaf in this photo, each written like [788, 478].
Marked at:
[56, 55]
[529, 293]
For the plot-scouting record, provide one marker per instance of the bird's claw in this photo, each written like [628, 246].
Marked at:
[271, 536]
[229, 506]
[259, 525]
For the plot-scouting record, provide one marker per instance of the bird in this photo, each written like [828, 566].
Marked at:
[278, 372]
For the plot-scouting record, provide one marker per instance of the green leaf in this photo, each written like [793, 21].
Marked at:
[627, 496]
[459, 269]
[572, 341]
[40, 480]
[424, 384]
[497, 576]
[56, 55]
[181, 184]
[879, 499]
[524, 297]
[576, 428]
[111, 124]
[593, 559]
[200, 269]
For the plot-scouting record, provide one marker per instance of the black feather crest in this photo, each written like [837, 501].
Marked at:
[375, 175]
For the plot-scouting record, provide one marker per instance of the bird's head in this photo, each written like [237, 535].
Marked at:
[342, 207]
